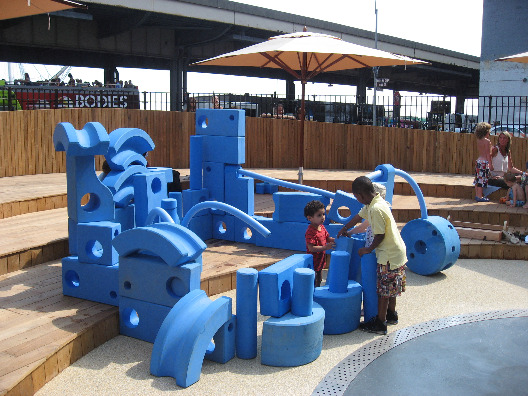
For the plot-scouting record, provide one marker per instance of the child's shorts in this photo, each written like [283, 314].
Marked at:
[518, 203]
[391, 283]
[482, 173]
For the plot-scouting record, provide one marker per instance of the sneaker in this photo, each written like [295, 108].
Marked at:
[484, 199]
[392, 317]
[374, 325]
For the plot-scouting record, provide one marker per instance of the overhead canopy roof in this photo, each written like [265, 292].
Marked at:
[21, 8]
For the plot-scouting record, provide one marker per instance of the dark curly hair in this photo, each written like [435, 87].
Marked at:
[312, 207]
[362, 185]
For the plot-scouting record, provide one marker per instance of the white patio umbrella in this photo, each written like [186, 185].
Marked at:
[304, 55]
[521, 58]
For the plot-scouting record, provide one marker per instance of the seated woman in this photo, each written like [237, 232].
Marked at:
[502, 162]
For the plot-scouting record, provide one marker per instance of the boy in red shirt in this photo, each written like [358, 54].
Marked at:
[317, 238]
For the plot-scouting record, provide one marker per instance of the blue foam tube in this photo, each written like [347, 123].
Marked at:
[196, 158]
[158, 212]
[338, 272]
[417, 191]
[302, 291]
[368, 283]
[246, 311]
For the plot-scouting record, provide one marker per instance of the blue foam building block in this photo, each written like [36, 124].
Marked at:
[245, 233]
[260, 188]
[94, 242]
[127, 146]
[351, 245]
[149, 189]
[270, 188]
[141, 319]
[342, 310]
[72, 237]
[178, 196]
[170, 205]
[126, 217]
[239, 190]
[275, 284]
[185, 336]
[369, 279]
[224, 227]
[202, 226]
[289, 235]
[91, 140]
[115, 180]
[226, 149]
[166, 171]
[289, 206]
[246, 302]
[293, 340]
[193, 197]
[337, 279]
[223, 342]
[216, 122]
[302, 291]
[173, 243]
[196, 160]
[149, 278]
[343, 199]
[213, 180]
[92, 282]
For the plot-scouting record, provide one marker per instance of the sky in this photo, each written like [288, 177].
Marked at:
[450, 24]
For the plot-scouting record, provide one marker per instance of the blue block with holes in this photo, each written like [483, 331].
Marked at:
[244, 233]
[224, 343]
[275, 284]
[149, 278]
[149, 189]
[92, 282]
[289, 206]
[94, 242]
[226, 149]
[216, 122]
[239, 190]
[224, 227]
[343, 199]
[193, 197]
[141, 319]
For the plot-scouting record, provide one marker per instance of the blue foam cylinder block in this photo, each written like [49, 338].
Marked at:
[141, 319]
[302, 291]
[342, 310]
[292, 340]
[170, 205]
[351, 245]
[338, 272]
[369, 277]
[246, 308]
[196, 159]
[178, 196]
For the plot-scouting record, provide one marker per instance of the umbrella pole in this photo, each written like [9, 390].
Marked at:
[301, 127]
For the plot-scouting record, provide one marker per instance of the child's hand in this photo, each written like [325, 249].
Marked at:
[364, 250]
[342, 232]
[330, 245]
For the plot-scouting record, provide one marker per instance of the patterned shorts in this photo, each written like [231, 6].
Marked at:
[391, 283]
[482, 173]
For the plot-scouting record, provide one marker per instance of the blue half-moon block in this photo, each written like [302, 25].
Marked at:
[127, 146]
[91, 140]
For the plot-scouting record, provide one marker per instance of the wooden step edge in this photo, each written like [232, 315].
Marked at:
[38, 204]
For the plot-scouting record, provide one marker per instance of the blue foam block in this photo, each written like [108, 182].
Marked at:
[213, 180]
[72, 237]
[387, 179]
[92, 282]
[351, 245]
[185, 336]
[202, 226]
[193, 197]
[239, 190]
[119, 179]
[260, 188]
[166, 171]
[224, 227]
[91, 140]
[170, 205]
[289, 206]
[126, 217]
[149, 278]
[224, 343]
[141, 319]
[369, 279]
[94, 242]
[343, 199]
[178, 196]
[275, 284]
[246, 303]
[196, 160]
[293, 340]
[337, 279]
[149, 189]
[245, 233]
[342, 310]
[220, 122]
[288, 235]
[226, 149]
[302, 291]
[127, 146]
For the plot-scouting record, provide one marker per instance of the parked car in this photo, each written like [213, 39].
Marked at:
[517, 131]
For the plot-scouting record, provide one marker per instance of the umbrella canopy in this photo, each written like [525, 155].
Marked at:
[304, 55]
[521, 58]
[21, 8]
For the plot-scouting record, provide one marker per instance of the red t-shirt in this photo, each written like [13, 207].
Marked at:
[317, 238]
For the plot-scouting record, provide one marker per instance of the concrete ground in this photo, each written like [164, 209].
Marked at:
[121, 366]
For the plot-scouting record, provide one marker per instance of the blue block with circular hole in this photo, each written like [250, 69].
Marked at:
[149, 278]
[149, 189]
[348, 200]
[224, 227]
[141, 319]
[92, 282]
[275, 284]
[94, 242]
[225, 122]
[432, 244]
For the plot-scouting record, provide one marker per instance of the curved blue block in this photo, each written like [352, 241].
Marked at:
[342, 310]
[127, 146]
[292, 340]
[246, 308]
[91, 140]
[433, 245]
[124, 197]
[185, 335]
[117, 179]
[369, 279]
[302, 292]
[176, 245]
[387, 179]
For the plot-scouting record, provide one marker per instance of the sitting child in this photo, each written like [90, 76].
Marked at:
[516, 194]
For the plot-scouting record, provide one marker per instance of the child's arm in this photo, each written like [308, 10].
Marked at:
[356, 219]
[316, 249]
[490, 148]
[362, 227]
[378, 238]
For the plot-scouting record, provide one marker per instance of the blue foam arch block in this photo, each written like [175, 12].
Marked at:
[226, 149]
[141, 319]
[127, 146]
[343, 199]
[217, 122]
[148, 278]
[175, 244]
[149, 189]
[185, 334]
[117, 179]
[369, 279]
[224, 343]
[239, 190]
[293, 340]
[92, 139]
[94, 242]
[289, 206]
[342, 310]
[92, 282]
[246, 303]
[275, 284]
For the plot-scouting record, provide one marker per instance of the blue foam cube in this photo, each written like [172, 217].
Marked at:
[226, 149]
[141, 319]
[94, 242]
[221, 122]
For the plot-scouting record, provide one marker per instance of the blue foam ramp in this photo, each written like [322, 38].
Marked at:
[94, 241]
[226, 149]
[289, 206]
[343, 198]
[217, 122]
[149, 189]
[149, 278]
[239, 190]
[276, 281]
[369, 280]
[141, 319]
[342, 310]
[185, 335]
[92, 282]
[174, 244]
[127, 146]
[91, 140]
[293, 340]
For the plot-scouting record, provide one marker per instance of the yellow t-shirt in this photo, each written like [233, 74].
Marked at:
[392, 248]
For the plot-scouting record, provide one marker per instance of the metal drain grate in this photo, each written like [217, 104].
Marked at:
[340, 377]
